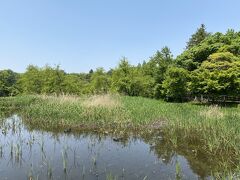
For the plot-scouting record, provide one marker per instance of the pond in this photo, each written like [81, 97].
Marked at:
[34, 154]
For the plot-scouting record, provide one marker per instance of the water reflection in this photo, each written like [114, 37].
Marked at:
[37, 154]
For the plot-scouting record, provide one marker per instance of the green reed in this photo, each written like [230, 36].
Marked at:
[213, 129]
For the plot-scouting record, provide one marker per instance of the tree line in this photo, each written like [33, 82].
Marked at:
[209, 65]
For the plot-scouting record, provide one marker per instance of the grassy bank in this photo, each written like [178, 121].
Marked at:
[215, 130]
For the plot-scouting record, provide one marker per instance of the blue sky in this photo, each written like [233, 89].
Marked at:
[80, 35]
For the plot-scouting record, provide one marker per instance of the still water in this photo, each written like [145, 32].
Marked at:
[35, 154]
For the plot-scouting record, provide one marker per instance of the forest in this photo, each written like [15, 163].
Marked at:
[209, 65]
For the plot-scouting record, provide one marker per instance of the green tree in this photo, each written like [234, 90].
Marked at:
[74, 84]
[8, 80]
[45, 80]
[157, 67]
[31, 81]
[53, 80]
[175, 84]
[121, 77]
[130, 80]
[89, 75]
[192, 58]
[197, 37]
[100, 81]
[218, 75]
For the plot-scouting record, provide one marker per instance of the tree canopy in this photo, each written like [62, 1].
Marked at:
[197, 37]
[210, 65]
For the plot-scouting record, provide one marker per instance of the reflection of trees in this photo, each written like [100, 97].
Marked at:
[191, 148]
[163, 146]
[201, 162]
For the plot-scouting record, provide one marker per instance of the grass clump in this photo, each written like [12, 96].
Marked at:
[213, 112]
[107, 101]
[66, 111]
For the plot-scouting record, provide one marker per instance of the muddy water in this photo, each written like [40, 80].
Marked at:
[35, 154]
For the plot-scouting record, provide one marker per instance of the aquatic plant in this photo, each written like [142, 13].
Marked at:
[64, 162]
[214, 129]
[178, 171]
[109, 176]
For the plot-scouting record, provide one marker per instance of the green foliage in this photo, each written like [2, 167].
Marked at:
[157, 67]
[53, 79]
[209, 66]
[158, 64]
[73, 84]
[218, 75]
[175, 84]
[197, 37]
[100, 82]
[192, 58]
[129, 80]
[45, 80]
[31, 81]
[8, 80]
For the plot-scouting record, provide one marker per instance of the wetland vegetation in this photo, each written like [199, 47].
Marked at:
[203, 132]
[59, 125]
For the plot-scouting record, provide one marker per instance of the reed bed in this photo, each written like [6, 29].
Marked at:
[214, 129]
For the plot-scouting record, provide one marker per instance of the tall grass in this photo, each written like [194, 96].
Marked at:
[216, 130]
[86, 112]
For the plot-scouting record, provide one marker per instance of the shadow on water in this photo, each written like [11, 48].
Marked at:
[35, 154]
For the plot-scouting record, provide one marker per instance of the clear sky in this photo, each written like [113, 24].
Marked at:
[84, 34]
